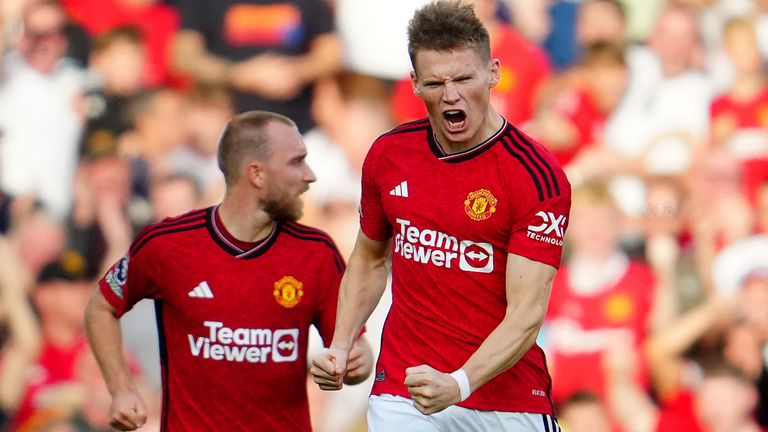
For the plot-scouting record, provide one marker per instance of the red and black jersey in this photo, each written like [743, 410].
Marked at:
[233, 322]
[453, 219]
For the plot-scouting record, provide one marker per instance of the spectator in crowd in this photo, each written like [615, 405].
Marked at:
[723, 399]
[575, 25]
[155, 21]
[576, 105]
[40, 86]
[270, 53]
[738, 115]
[117, 63]
[208, 108]
[583, 412]
[350, 110]
[59, 297]
[99, 227]
[663, 119]
[20, 339]
[524, 68]
[599, 296]
[601, 21]
[157, 129]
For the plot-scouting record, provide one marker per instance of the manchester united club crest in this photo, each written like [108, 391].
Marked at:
[480, 205]
[288, 291]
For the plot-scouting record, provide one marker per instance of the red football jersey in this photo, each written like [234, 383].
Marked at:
[233, 323]
[751, 113]
[581, 327]
[453, 219]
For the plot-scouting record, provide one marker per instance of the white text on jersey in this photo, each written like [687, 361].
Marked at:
[428, 246]
[250, 345]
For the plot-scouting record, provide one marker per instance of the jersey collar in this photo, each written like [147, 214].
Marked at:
[438, 151]
[224, 240]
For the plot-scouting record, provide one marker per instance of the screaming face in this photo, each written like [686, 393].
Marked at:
[455, 86]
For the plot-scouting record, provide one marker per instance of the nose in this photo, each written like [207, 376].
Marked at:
[309, 175]
[450, 93]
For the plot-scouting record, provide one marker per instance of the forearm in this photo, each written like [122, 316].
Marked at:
[191, 57]
[630, 405]
[503, 347]
[528, 284]
[106, 342]
[361, 289]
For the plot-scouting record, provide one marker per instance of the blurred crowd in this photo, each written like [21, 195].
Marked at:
[111, 110]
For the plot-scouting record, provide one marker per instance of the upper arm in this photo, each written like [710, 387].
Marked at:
[98, 303]
[370, 250]
[528, 286]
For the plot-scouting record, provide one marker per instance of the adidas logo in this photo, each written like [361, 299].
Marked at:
[202, 290]
[400, 190]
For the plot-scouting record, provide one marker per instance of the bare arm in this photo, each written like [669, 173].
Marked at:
[323, 58]
[528, 285]
[190, 56]
[630, 405]
[665, 349]
[25, 340]
[128, 410]
[270, 75]
[361, 288]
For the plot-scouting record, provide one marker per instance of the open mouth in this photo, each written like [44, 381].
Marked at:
[455, 118]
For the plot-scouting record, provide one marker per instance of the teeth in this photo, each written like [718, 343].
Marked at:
[453, 112]
[457, 124]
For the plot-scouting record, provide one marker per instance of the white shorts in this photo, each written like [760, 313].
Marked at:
[387, 413]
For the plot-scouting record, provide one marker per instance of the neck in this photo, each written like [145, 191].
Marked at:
[747, 86]
[59, 333]
[491, 124]
[244, 218]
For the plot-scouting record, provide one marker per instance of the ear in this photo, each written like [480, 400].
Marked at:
[495, 72]
[254, 171]
[415, 83]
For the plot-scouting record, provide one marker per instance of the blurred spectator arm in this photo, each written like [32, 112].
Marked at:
[25, 340]
[630, 405]
[189, 56]
[665, 348]
[662, 253]
[323, 59]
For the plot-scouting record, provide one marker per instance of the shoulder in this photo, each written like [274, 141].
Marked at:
[406, 134]
[536, 165]
[169, 229]
[404, 130]
[317, 239]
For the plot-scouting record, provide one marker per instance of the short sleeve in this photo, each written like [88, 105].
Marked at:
[373, 221]
[538, 230]
[127, 282]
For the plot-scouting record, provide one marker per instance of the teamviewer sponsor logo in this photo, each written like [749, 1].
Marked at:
[476, 257]
[428, 246]
[251, 345]
[550, 230]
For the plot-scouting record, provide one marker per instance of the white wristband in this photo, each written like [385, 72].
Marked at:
[461, 378]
